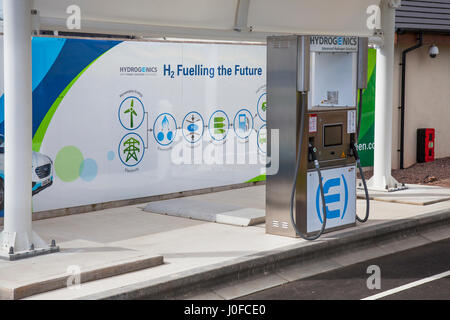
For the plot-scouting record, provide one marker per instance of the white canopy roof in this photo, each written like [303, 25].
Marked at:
[215, 19]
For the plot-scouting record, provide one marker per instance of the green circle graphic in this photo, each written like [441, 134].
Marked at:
[67, 163]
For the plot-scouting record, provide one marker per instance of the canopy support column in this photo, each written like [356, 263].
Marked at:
[17, 239]
[382, 178]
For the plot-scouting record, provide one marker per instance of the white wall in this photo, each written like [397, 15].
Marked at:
[427, 103]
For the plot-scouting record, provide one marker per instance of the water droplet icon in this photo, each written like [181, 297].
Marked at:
[165, 123]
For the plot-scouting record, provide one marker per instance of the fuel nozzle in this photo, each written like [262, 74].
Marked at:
[353, 147]
[312, 150]
[312, 154]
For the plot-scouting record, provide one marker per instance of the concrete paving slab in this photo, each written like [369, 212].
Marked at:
[403, 244]
[305, 270]
[186, 207]
[242, 217]
[204, 210]
[246, 287]
[420, 195]
[437, 234]
[204, 296]
[358, 255]
[109, 225]
[252, 197]
[78, 259]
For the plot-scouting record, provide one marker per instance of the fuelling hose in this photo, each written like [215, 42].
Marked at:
[312, 151]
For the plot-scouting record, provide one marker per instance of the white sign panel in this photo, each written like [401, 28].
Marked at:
[124, 120]
[351, 121]
[312, 123]
[340, 197]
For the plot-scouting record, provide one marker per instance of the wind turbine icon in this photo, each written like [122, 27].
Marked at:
[132, 113]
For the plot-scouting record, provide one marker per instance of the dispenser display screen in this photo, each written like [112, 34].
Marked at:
[332, 135]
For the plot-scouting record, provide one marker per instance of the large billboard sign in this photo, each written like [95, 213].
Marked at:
[122, 120]
[366, 137]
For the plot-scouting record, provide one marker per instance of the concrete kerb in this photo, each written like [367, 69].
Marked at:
[269, 261]
[90, 274]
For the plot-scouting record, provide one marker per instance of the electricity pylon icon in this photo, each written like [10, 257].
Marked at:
[131, 149]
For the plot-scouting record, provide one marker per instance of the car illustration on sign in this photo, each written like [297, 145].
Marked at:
[42, 172]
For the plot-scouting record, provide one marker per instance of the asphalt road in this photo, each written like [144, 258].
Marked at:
[407, 274]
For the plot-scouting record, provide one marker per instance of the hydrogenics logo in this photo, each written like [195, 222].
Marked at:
[144, 70]
[334, 40]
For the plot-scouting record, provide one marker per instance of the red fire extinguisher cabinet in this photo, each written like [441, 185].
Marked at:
[425, 144]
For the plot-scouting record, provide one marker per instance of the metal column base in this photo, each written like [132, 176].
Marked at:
[391, 186]
[15, 246]
[28, 254]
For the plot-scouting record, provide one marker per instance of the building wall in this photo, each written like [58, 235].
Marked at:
[427, 102]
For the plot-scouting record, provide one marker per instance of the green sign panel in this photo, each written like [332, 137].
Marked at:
[366, 136]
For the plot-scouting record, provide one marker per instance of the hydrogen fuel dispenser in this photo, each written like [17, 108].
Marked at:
[312, 95]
